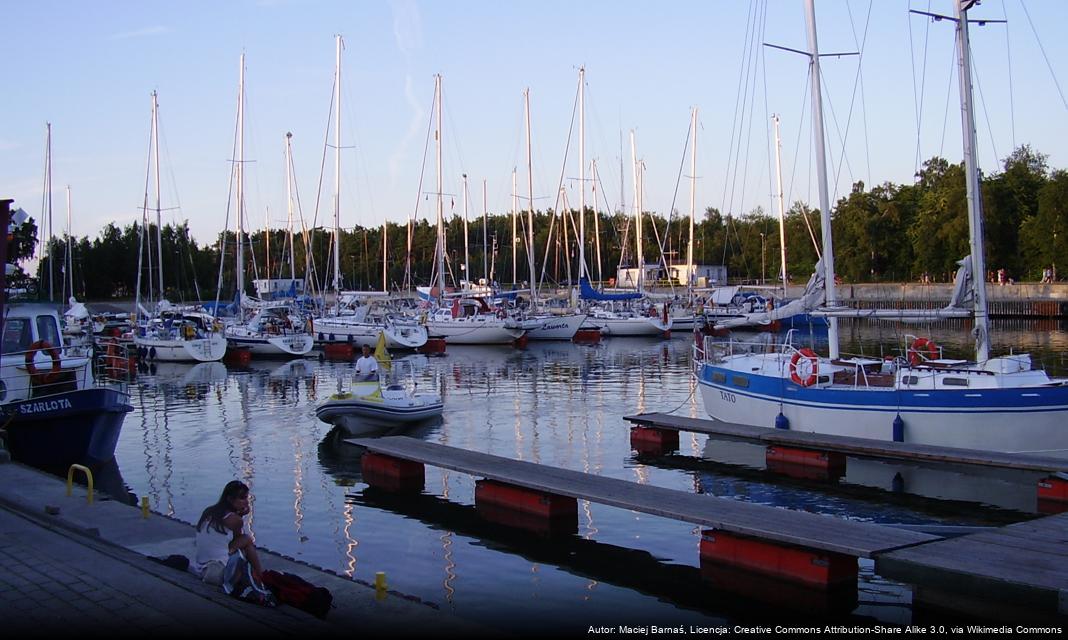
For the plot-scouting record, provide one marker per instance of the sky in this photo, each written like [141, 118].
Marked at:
[88, 68]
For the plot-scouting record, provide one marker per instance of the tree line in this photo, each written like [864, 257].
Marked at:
[886, 233]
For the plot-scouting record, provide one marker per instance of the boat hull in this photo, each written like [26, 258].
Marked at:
[61, 429]
[360, 333]
[636, 326]
[1021, 419]
[177, 350]
[476, 331]
[360, 416]
[562, 327]
[281, 346]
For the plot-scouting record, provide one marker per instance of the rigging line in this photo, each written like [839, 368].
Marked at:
[322, 165]
[737, 103]
[860, 80]
[797, 143]
[226, 222]
[767, 130]
[986, 114]
[674, 199]
[949, 90]
[1008, 54]
[559, 188]
[748, 68]
[418, 196]
[1043, 50]
[843, 158]
[923, 83]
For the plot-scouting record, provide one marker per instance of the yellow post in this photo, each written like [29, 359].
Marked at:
[144, 507]
[88, 476]
[380, 585]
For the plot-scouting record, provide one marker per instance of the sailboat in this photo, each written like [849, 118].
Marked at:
[991, 403]
[171, 333]
[268, 328]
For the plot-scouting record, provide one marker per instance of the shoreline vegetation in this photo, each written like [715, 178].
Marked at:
[888, 233]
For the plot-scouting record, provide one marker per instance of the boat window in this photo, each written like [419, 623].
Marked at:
[719, 376]
[740, 381]
[16, 335]
[48, 331]
[955, 382]
[910, 380]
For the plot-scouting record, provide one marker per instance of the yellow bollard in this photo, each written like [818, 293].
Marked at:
[88, 476]
[144, 507]
[380, 585]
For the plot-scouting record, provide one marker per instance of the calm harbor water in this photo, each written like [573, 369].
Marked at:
[196, 427]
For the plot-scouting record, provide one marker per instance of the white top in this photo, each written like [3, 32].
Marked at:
[211, 546]
[366, 366]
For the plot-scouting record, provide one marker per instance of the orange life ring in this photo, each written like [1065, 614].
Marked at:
[810, 355]
[919, 345]
[43, 377]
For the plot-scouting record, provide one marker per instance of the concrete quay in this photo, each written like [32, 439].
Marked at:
[86, 569]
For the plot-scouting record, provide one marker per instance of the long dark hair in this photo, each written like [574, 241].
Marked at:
[213, 515]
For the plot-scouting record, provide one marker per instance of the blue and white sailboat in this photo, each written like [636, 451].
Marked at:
[991, 403]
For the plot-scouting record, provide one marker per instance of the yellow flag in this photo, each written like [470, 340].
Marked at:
[380, 351]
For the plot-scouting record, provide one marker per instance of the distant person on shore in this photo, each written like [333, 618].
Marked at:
[1047, 275]
[366, 366]
[225, 554]
[1001, 277]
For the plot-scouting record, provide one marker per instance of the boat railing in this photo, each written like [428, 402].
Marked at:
[40, 373]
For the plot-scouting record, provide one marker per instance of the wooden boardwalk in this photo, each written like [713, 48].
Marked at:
[854, 446]
[1025, 564]
[808, 530]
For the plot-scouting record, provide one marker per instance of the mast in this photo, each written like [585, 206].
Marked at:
[515, 215]
[582, 173]
[155, 154]
[467, 258]
[821, 170]
[971, 174]
[782, 204]
[48, 209]
[691, 272]
[596, 220]
[385, 258]
[441, 204]
[289, 204]
[70, 256]
[485, 236]
[638, 254]
[337, 167]
[530, 197]
[240, 269]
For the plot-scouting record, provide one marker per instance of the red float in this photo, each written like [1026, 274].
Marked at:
[795, 564]
[433, 346]
[653, 441]
[339, 351]
[587, 336]
[392, 474]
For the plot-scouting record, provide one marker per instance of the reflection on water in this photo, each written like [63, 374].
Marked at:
[195, 428]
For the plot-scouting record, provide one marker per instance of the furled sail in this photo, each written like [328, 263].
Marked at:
[587, 292]
[809, 302]
[960, 304]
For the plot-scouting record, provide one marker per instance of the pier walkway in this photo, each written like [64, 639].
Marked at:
[88, 567]
[853, 446]
[807, 530]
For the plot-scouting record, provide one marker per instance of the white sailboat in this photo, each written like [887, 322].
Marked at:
[991, 403]
[272, 329]
[171, 333]
[466, 321]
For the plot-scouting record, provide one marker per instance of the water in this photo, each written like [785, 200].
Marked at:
[194, 428]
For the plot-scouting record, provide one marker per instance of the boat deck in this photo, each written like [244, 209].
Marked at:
[854, 446]
[808, 530]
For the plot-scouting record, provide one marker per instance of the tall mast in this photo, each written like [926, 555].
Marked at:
[691, 272]
[467, 257]
[385, 258]
[530, 195]
[582, 172]
[597, 220]
[971, 176]
[337, 167]
[48, 209]
[155, 154]
[821, 170]
[485, 236]
[289, 204]
[782, 204]
[70, 256]
[515, 215]
[240, 182]
[638, 254]
[441, 204]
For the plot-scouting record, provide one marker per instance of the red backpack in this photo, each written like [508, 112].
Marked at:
[296, 591]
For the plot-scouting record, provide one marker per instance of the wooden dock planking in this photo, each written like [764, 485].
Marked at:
[1025, 563]
[808, 530]
[855, 446]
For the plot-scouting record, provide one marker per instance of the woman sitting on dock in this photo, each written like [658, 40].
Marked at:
[225, 554]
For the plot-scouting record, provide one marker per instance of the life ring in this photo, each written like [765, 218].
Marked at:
[43, 377]
[811, 357]
[919, 345]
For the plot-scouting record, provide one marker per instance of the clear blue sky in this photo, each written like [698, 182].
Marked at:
[89, 68]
